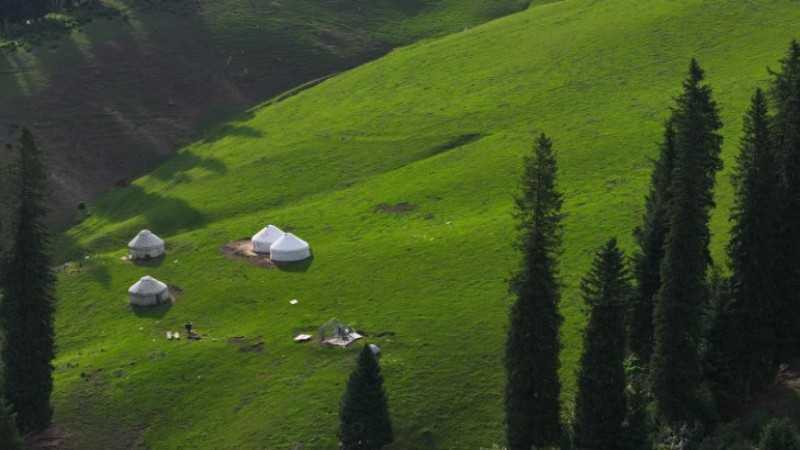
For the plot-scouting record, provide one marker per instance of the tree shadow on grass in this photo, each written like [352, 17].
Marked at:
[162, 215]
[186, 160]
[234, 128]
[152, 312]
[296, 267]
[100, 274]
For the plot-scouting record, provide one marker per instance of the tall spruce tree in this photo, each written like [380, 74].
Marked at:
[676, 366]
[785, 95]
[9, 435]
[364, 413]
[638, 426]
[600, 401]
[26, 312]
[722, 369]
[533, 388]
[650, 237]
[753, 248]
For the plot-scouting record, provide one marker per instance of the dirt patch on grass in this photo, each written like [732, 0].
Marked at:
[258, 347]
[781, 400]
[399, 208]
[243, 250]
[247, 346]
[51, 438]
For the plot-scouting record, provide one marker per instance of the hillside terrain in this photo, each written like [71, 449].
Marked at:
[111, 99]
[401, 174]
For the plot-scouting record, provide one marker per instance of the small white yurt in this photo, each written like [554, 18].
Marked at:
[148, 292]
[265, 238]
[289, 248]
[146, 245]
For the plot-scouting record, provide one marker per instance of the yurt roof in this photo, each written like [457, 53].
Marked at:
[289, 242]
[145, 239]
[147, 286]
[269, 233]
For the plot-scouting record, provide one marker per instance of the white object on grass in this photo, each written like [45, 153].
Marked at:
[146, 245]
[264, 239]
[289, 248]
[148, 292]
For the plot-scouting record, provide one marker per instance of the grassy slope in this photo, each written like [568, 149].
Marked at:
[597, 76]
[112, 99]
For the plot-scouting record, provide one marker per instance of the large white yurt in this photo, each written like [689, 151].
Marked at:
[265, 238]
[289, 248]
[148, 292]
[146, 245]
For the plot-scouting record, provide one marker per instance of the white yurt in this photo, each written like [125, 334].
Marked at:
[289, 248]
[265, 238]
[146, 245]
[148, 292]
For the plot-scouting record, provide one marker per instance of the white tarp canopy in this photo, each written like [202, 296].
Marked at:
[146, 245]
[148, 292]
[289, 248]
[264, 239]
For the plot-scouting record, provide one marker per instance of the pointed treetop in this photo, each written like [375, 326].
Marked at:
[543, 140]
[794, 49]
[696, 74]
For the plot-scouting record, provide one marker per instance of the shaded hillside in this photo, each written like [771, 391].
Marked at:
[400, 173]
[112, 99]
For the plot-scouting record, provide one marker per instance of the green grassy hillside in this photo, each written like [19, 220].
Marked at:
[440, 125]
[112, 98]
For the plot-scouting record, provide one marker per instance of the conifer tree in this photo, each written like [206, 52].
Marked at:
[753, 248]
[364, 413]
[722, 369]
[9, 435]
[650, 237]
[637, 424]
[532, 404]
[27, 308]
[785, 94]
[779, 434]
[600, 401]
[676, 367]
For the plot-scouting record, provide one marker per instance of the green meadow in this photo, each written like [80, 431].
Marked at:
[441, 125]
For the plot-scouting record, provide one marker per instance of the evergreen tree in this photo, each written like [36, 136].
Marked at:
[9, 435]
[676, 367]
[722, 369]
[779, 434]
[364, 413]
[637, 426]
[650, 237]
[600, 401]
[785, 93]
[752, 251]
[26, 312]
[533, 388]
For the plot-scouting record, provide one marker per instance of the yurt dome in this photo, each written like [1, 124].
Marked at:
[148, 292]
[289, 248]
[265, 238]
[146, 245]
